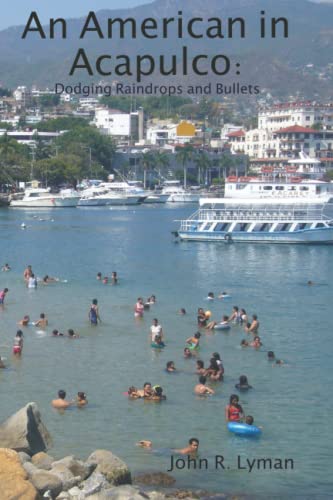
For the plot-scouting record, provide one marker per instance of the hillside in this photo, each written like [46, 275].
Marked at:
[301, 63]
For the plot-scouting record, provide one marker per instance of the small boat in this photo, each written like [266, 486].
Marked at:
[257, 222]
[177, 194]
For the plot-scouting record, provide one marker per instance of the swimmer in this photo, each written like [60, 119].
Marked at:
[235, 315]
[151, 299]
[157, 394]
[271, 357]
[146, 392]
[105, 280]
[244, 343]
[233, 411]
[200, 368]
[156, 330]
[3, 294]
[224, 322]
[18, 343]
[2, 364]
[139, 308]
[42, 322]
[243, 384]
[210, 296]
[81, 399]
[254, 326]
[114, 278]
[133, 392]
[25, 321]
[256, 342]
[27, 273]
[48, 279]
[201, 388]
[56, 333]
[249, 420]
[187, 353]
[170, 367]
[194, 341]
[191, 449]
[202, 318]
[5, 268]
[61, 402]
[144, 443]
[94, 313]
[218, 359]
[182, 311]
[32, 281]
[71, 334]
[214, 372]
[158, 342]
[223, 295]
[310, 283]
[243, 316]
[99, 276]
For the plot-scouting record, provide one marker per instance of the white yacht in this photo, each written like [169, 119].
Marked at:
[177, 194]
[257, 221]
[99, 196]
[37, 197]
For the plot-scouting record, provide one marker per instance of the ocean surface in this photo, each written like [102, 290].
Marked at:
[292, 402]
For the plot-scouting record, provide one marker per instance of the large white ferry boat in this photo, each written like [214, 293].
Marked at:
[257, 221]
[37, 197]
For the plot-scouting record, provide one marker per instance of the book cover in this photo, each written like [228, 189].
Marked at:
[154, 157]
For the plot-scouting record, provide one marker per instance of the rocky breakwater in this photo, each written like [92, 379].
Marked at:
[27, 472]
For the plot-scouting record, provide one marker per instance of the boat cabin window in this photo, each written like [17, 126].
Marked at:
[268, 188]
[207, 226]
[34, 195]
[292, 188]
[320, 224]
[224, 226]
[304, 188]
[262, 227]
[284, 226]
[241, 226]
[302, 226]
[318, 189]
[279, 188]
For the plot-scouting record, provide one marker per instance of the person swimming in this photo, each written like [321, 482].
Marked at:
[81, 399]
[187, 353]
[194, 341]
[170, 367]
[243, 384]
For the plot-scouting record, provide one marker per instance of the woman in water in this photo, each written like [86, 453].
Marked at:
[81, 399]
[256, 342]
[187, 353]
[243, 384]
[214, 372]
[94, 313]
[139, 308]
[233, 411]
[202, 318]
[18, 343]
[216, 356]
[200, 368]
[194, 341]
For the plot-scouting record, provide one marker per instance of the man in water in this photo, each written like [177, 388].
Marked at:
[191, 449]
[201, 388]
[61, 402]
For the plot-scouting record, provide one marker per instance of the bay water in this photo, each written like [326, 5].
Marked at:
[291, 402]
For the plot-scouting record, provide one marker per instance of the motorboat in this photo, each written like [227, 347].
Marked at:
[259, 221]
[37, 197]
[177, 194]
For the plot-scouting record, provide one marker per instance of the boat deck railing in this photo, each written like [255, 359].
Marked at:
[291, 214]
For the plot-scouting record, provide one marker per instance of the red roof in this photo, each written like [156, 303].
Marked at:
[238, 133]
[297, 129]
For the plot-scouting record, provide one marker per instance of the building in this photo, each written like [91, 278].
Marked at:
[126, 127]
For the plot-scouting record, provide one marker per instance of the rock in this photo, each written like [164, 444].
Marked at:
[125, 492]
[64, 495]
[24, 431]
[155, 479]
[44, 481]
[67, 478]
[42, 460]
[24, 457]
[30, 468]
[74, 492]
[94, 484]
[77, 467]
[13, 478]
[156, 495]
[112, 467]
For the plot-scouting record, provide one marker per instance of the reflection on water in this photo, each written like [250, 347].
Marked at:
[269, 280]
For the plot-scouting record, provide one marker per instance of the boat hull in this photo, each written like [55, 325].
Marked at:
[103, 202]
[45, 203]
[322, 236]
[183, 198]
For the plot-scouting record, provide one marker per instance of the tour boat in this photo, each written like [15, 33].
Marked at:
[259, 221]
[37, 197]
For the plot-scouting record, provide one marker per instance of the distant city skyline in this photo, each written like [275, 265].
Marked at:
[16, 14]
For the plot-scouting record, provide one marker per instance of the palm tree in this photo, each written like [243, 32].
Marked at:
[203, 163]
[148, 161]
[162, 161]
[184, 155]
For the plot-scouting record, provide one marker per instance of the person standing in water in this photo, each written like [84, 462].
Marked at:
[18, 343]
[94, 313]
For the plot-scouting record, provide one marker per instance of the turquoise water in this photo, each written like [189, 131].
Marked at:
[292, 403]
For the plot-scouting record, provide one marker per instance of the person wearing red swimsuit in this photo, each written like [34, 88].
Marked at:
[233, 411]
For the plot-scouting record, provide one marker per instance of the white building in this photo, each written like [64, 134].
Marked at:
[304, 114]
[118, 124]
